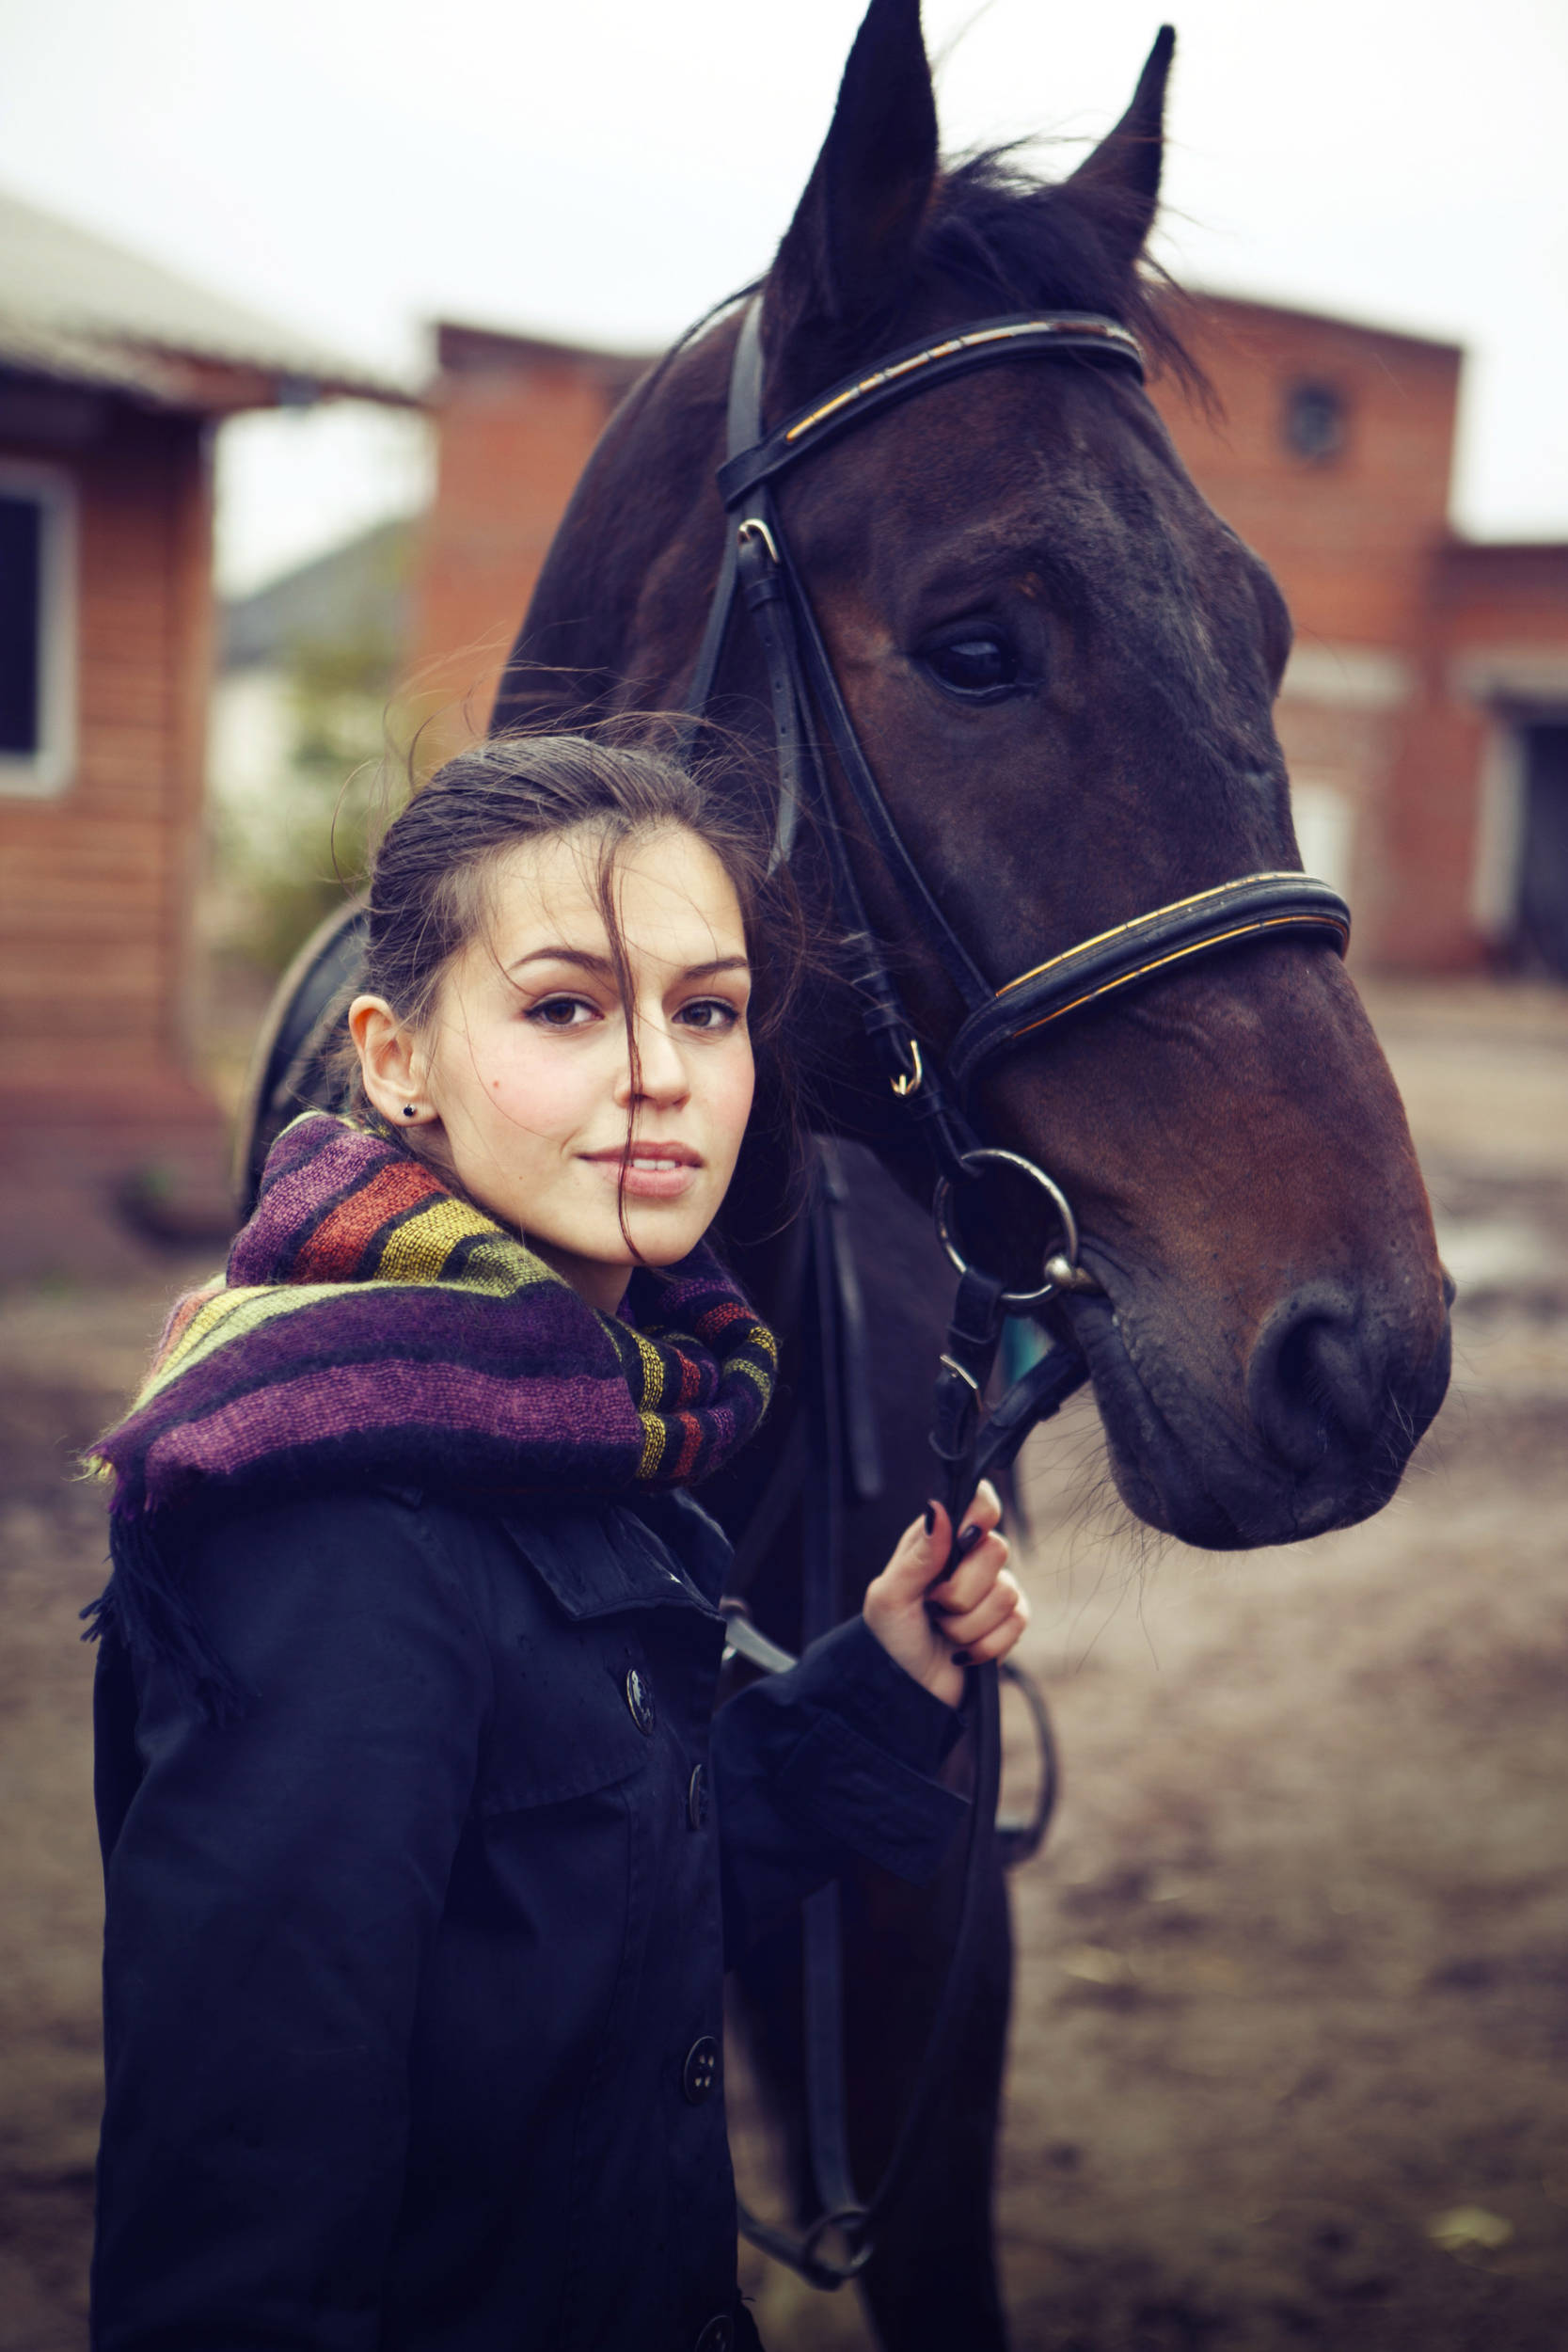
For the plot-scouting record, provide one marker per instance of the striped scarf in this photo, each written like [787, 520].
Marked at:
[372, 1326]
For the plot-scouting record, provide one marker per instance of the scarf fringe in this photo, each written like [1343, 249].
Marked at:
[146, 1605]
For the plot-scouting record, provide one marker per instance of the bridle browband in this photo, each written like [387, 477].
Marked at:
[758, 569]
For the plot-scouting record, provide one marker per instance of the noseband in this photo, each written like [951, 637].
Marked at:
[759, 570]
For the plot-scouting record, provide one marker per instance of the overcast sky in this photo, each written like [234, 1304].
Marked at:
[605, 168]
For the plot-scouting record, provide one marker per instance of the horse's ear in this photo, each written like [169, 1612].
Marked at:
[1120, 183]
[845, 256]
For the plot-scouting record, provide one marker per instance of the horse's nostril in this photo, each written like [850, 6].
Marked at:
[1315, 1378]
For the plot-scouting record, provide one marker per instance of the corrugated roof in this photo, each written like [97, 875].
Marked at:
[74, 306]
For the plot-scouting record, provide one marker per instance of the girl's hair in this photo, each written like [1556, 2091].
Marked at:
[432, 872]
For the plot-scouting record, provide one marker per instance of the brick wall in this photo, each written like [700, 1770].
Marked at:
[516, 420]
[1495, 656]
[1349, 534]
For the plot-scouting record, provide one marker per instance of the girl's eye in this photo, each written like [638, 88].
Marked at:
[980, 664]
[709, 1012]
[562, 1012]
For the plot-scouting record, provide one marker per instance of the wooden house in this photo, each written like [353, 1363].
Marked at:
[113, 374]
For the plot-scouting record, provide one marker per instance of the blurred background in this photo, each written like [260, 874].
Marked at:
[309, 317]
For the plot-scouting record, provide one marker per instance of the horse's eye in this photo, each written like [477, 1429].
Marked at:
[977, 667]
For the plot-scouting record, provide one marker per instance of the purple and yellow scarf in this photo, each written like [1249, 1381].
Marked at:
[373, 1326]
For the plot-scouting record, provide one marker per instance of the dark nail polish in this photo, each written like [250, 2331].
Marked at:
[967, 1541]
[930, 1518]
[960, 1658]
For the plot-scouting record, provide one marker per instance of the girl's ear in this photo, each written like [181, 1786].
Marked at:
[390, 1063]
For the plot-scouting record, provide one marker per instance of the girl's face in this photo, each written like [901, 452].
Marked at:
[525, 1068]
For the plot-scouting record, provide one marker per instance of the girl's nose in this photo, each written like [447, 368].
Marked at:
[662, 1074]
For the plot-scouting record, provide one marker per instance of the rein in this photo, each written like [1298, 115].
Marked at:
[810, 716]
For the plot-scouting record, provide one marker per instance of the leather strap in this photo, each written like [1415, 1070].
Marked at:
[763, 590]
[915, 368]
[865, 793]
[862, 1440]
[743, 426]
[1251, 907]
[826, 2106]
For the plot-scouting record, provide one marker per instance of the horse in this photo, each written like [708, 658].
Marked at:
[1060, 665]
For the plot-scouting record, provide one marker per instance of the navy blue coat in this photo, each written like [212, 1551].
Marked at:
[413, 1977]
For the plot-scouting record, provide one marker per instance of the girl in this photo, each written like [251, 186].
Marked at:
[422, 1856]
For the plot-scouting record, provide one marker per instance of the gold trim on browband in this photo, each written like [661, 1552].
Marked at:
[1120, 931]
[1193, 947]
[1108, 330]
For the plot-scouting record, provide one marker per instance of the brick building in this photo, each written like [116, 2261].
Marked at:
[112, 375]
[1425, 712]
[515, 420]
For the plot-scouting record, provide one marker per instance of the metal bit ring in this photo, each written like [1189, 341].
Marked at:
[1061, 1269]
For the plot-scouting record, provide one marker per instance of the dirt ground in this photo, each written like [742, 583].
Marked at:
[1292, 2014]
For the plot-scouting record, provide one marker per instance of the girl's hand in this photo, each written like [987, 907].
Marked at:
[973, 1616]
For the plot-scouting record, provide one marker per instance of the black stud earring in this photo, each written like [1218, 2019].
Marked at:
[409, 1111]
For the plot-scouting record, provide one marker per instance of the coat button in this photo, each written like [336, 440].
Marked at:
[717, 2336]
[640, 1699]
[696, 1798]
[701, 2070]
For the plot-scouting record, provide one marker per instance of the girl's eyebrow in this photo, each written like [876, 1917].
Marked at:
[605, 969]
[563, 955]
[719, 964]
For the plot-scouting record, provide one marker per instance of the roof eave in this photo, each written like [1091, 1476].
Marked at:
[198, 383]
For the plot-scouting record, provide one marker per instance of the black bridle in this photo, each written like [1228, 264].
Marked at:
[936, 1088]
[760, 571]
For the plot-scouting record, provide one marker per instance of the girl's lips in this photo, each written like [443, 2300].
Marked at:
[650, 1175]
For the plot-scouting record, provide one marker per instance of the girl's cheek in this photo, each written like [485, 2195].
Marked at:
[552, 1087]
[735, 1106]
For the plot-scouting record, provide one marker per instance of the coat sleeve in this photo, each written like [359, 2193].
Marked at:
[834, 1760]
[273, 1887]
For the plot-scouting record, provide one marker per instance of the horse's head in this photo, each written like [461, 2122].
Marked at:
[1061, 663]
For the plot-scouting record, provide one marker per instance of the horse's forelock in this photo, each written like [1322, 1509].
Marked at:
[1010, 241]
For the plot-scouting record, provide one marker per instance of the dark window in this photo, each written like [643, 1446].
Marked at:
[1314, 422]
[1541, 942]
[20, 598]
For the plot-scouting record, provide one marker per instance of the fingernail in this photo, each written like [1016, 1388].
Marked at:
[930, 1518]
[960, 1657]
[967, 1541]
